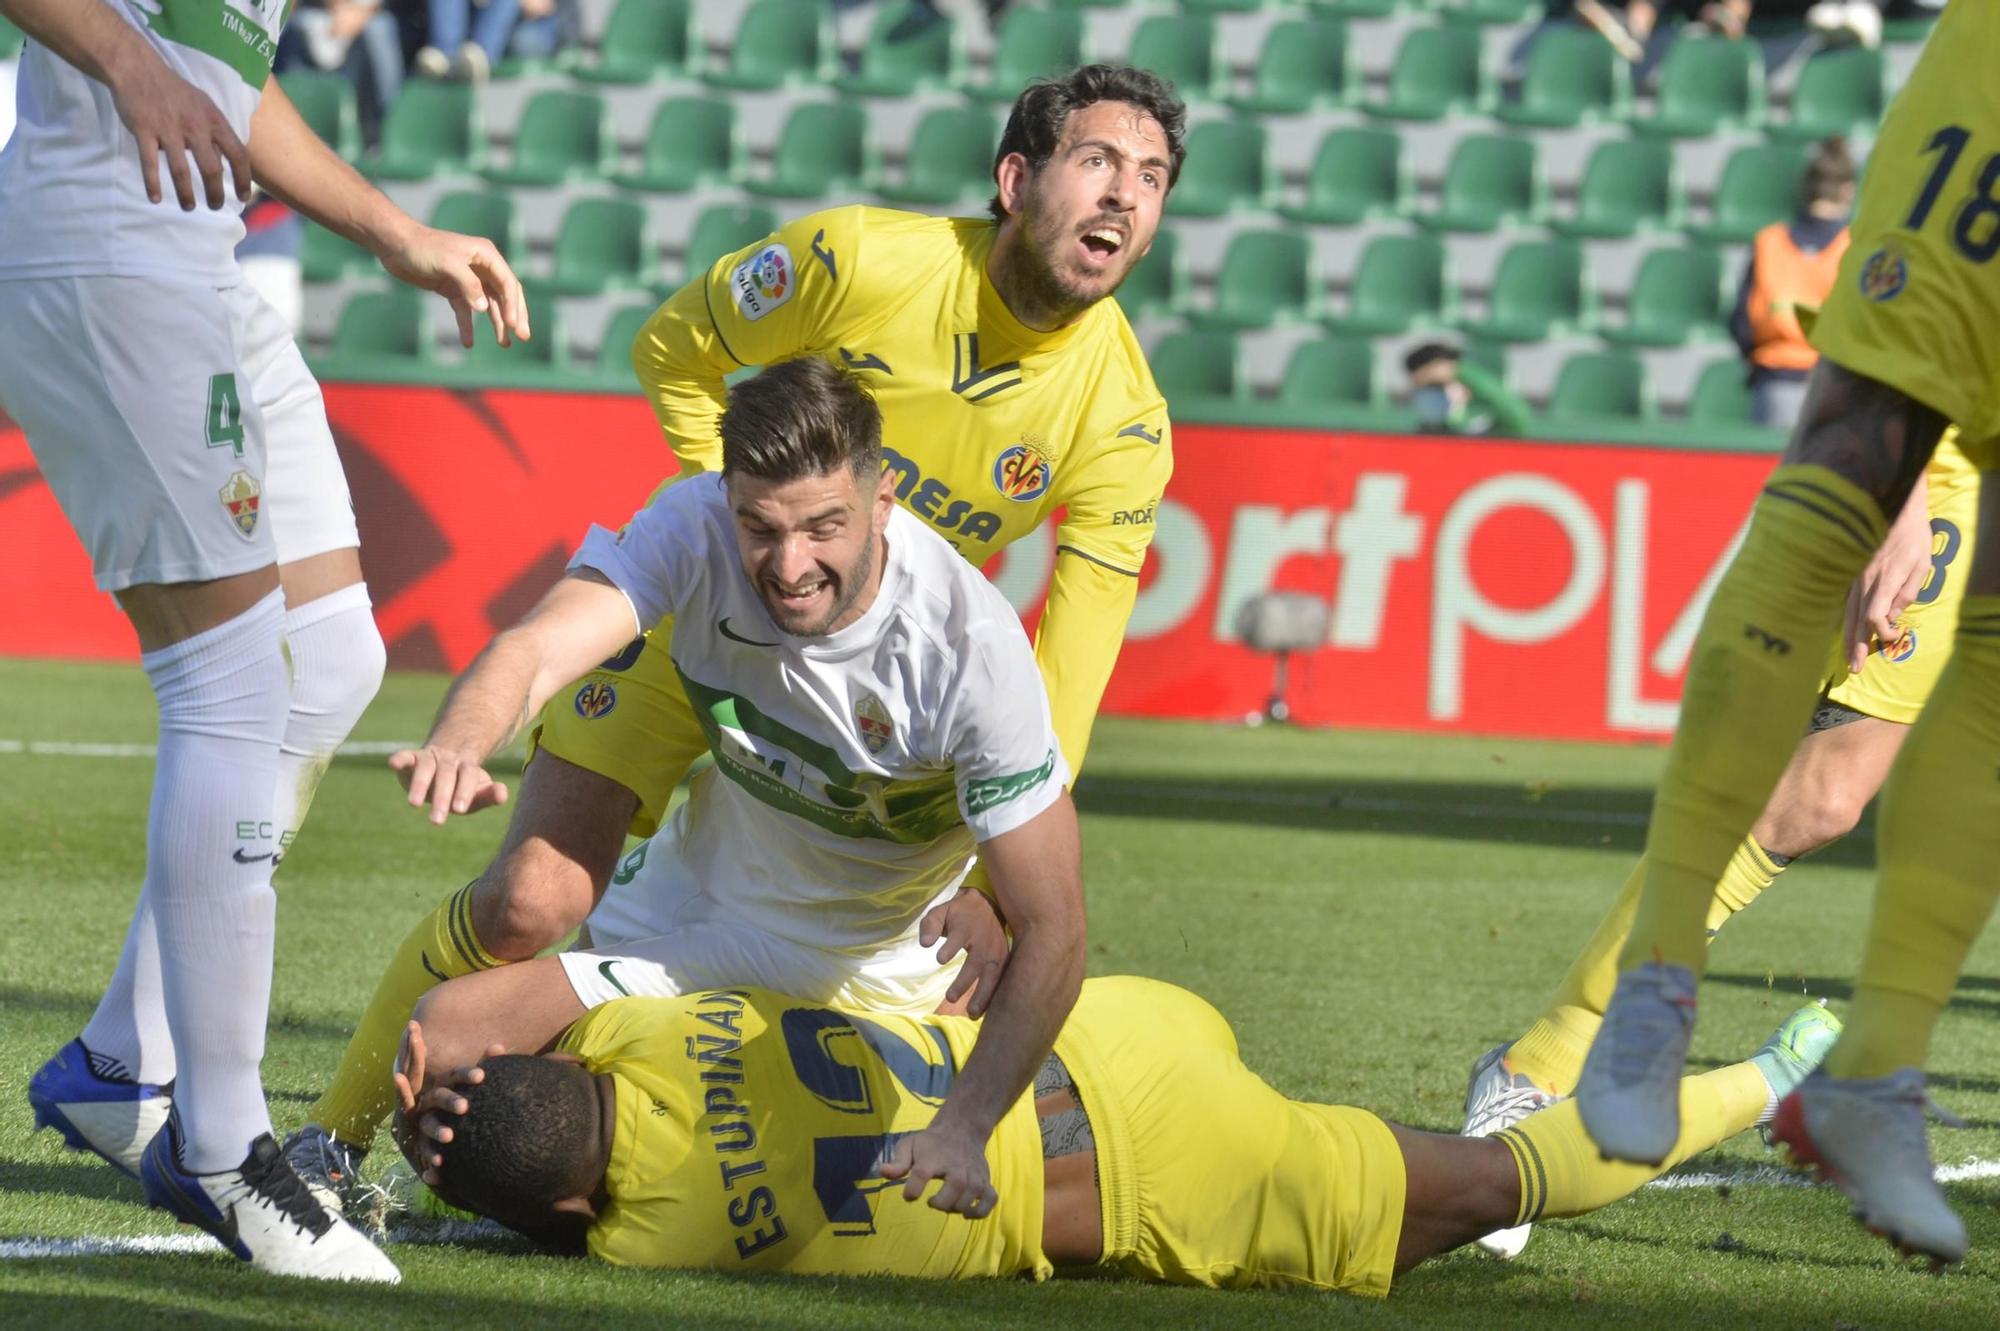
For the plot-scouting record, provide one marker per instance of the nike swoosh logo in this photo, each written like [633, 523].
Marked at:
[737, 637]
[604, 969]
[241, 858]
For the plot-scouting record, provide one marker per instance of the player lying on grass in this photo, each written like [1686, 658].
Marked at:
[742, 1131]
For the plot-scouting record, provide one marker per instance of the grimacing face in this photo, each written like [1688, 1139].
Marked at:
[809, 545]
[1091, 213]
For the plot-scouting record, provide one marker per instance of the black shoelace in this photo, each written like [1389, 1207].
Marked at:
[271, 1176]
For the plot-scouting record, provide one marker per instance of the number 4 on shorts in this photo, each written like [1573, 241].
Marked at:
[225, 413]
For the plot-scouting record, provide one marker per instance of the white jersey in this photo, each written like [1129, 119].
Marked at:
[72, 200]
[855, 772]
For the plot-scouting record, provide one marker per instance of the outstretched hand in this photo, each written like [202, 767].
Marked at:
[470, 273]
[446, 779]
[953, 1157]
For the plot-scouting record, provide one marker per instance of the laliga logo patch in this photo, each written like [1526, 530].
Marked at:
[873, 719]
[1022, 473]
[763, 282]
[241, 496]
[1885, 275]
[1901, 650]
[595, 699]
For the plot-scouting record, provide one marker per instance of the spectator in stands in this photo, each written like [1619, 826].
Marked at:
[1630, 27]
[1452, 396]
[357, 38]
[466, 45]
[1792, 264]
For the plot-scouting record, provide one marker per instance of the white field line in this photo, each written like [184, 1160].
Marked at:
[1773, 1176]
[58, 748]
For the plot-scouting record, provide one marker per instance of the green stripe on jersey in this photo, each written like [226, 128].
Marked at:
[215, 28]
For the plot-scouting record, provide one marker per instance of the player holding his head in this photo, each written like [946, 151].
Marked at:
[178, 426]
[1010, 388]
[1910, 339]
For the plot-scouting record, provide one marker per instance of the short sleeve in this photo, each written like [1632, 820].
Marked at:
[1007, 761]
[656, 560]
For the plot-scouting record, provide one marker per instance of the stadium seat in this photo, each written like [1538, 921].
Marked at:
[1266, 277]
[488, 213]
[1436, 72]
[723, 228]
[1331, 371]
[1759, 185]
[779, 42]
[1399, 283]
[1227, 170]
[1627, 185]
[644, 40]
[1706, 84]
[433, 127]
[326, 102]
[1199, 362]
[950, 158]
[11, 38]
[613, 366]
[1838, 91]
[1158, 284]
[1721, 394]
[1356, 174]
[1356, 8]
[1539, 290]
[378, 324]
[1492, 181]
[1302, 65]
[602, 245]
[692, 142]
[327, 256]
[1676, 296]
[910, 47]
[561, 135]
[1489, 11]
[1029, 44]
[1572, 75]
[1223, 6]
[487, 360]
[1179, 48]
[1599, 384]
[824, 147]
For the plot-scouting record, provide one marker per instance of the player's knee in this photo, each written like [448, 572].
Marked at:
[1829, 807]
[338, 658]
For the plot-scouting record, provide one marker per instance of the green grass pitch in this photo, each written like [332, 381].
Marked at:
[1371, 912]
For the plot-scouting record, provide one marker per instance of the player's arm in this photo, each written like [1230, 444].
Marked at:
[167, 115]
[292, 162]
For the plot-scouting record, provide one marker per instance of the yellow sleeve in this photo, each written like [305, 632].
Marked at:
[767, 303]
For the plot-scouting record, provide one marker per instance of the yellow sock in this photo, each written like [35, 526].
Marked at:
[1940, 837]
[1760, 656]
[441, 947]
[1550, 1053]
[1562, 1173]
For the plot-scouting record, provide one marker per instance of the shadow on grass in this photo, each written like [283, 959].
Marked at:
[75, 1176]
[1971, 995]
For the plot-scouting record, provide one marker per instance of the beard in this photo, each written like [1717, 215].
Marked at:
[1039, 283]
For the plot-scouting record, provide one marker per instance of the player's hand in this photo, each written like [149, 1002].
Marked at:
[172, 118]
[421, 1114]
[968, 923]
[468, 272]
[1885, 589]
[952, 1156]
[446, 779]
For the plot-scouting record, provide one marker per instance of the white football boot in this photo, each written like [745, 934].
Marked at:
[1497, 1097]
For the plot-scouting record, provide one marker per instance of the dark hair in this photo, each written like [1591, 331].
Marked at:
[1830, 171]
[1035, 125]
[799, 418]
[1430, 353]
[520, 1146]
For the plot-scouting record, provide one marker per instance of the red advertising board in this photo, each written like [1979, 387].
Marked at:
[1481, 586]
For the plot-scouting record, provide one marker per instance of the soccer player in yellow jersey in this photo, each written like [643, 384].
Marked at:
[1010, 388]
[742, 1131]
[1910, 339]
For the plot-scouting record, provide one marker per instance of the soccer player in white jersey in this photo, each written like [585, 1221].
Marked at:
[178, 426]
[876, 716]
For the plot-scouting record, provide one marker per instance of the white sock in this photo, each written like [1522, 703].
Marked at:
[337, 661]
[210, 841]
[130, 1024]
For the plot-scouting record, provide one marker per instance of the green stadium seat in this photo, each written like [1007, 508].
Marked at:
[326, 103]
[561, 135]
[1627, 185]
[613, 366]
[1539, 291]
[1195, 362]
[1490, 11]
[910, 47]
[1223, 6]
[1333, 371]
[1357, 173]
[327, 256]
[1436, 73]
[1491, 181]
[1357, 8]
[432, 128]
[1227, 169]
[1706, 84]
[1759, 185]
[780, 42]
[1598, 384]
[1572, 76]
[1266, 278]
[950, 158]
[1676, 296]
[724, 228]
[382, 324]
[547, 349]
[644, 40]
[1302, 65]
[482, 213]
[1158, 283]
[1179, 48]
[1722, 394]
[1399, 284]
[692, 142]
[602, 245]
[1029, 44]
[824, 147]
[11, 39]
[1838, 91]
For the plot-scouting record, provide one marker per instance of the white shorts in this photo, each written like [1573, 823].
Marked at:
[656, 935]
[176, 423]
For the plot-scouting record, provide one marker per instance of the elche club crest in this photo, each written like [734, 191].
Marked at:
[1023, 473]
[872, 718]
[241, 497]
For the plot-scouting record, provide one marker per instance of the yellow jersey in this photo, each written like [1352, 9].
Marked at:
[749, 1126]
[990, 427]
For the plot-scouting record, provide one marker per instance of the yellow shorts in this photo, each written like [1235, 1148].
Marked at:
[1917, 302]
[630, 720]
[1207, 1175]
